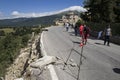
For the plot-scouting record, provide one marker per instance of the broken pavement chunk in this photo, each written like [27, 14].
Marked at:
[43, 61]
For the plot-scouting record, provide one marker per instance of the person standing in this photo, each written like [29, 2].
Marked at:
[84, 33]
[76, 30]
[67, 26]
[99, 34]
[107, 35]
[81, 29]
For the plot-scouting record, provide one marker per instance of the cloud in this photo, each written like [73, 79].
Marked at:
[73, 8]
[16, 14]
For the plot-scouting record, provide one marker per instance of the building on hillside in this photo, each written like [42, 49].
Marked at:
[70, 17]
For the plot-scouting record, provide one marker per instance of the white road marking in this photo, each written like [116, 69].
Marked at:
[50, 67]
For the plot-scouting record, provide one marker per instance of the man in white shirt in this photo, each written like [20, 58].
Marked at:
[107, 35]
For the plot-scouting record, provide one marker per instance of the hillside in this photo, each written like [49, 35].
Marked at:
[46, 20]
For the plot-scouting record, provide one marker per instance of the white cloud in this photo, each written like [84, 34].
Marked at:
[16, 14]
[72, 8]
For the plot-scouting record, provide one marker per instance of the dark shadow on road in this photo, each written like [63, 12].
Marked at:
[93, 38]
[79, 53]
[73, 34]
[116, 70]
[80, 63]
[76, 42]
[69, 73]
[99, 43]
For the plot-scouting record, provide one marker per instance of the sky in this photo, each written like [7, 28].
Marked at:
[35, 8]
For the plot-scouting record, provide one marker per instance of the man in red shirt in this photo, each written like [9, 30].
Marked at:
[81, 29]
[84, 33]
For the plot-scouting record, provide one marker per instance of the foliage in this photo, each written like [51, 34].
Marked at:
[98, 27]
[7, 30]
[101, 13]
[10, 45]
[37, 30]
[79, 22]
[43, 21]
[46, 20]
[25, 39]
[103, 10]
[8, 51]
[22, 30]
[2, 33]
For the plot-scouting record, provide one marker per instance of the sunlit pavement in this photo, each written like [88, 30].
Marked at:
[97, 61]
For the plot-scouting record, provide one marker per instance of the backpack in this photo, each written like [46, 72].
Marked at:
[86, 30]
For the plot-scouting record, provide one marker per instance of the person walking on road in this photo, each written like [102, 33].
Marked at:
[67, 26]
[107, 34]
[81, 29]
[84, 33]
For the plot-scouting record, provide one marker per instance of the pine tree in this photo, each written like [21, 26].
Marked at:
[117, 10]
[103, 10]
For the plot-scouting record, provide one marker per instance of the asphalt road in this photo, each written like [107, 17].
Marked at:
[98, 61]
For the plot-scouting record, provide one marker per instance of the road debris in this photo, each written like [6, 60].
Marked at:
[44, 61]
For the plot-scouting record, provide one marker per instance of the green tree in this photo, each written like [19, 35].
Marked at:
[25, 39]
[117, 10]
[2, 33]
[101, 10]
[10, 45]
[79, 22]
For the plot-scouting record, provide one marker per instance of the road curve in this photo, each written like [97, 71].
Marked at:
[98, 62]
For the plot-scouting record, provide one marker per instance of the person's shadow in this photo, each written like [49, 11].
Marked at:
[99, 43]
[116, 70]
[76, 42]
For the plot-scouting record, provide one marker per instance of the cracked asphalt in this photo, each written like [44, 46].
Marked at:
[97, 62]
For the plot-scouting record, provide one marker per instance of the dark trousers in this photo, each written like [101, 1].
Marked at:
[67, 28]
[107, 39]
[76, 31]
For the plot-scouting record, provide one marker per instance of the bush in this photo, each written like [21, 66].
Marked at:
[10, 46]
[25, 39]
[96, 27]
[2, 33]
[79, 22]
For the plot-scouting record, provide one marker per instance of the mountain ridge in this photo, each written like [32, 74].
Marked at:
[45, 20]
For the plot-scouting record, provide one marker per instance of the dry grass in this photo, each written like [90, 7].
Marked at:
[7, 30]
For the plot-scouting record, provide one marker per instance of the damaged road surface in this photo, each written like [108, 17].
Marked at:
[44, 61]
[97, 61]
